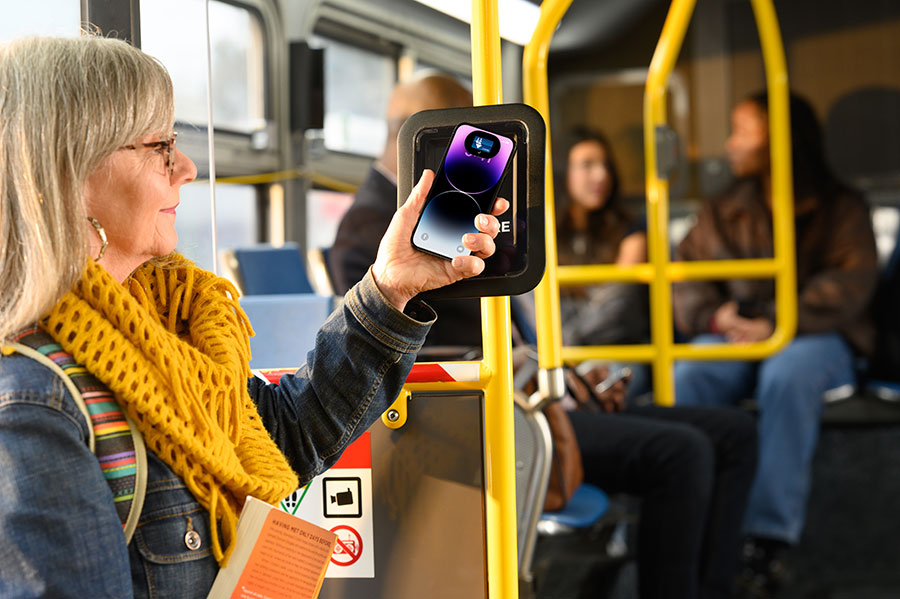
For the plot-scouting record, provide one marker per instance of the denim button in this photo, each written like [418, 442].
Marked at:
[192, 540]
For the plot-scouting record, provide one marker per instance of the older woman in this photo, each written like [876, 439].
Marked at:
[89, 188]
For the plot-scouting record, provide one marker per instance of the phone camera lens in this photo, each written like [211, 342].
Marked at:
[424, 236]
[460, 249]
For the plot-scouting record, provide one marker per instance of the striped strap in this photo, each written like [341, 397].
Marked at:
[115, 440]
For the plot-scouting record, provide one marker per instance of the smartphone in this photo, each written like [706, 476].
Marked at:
[465, 185]
[612, 379]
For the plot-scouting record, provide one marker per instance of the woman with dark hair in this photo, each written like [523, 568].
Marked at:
[596, 228]
[691, 467]
[836, 277]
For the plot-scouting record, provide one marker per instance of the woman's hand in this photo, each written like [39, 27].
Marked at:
[750, 330]
[402, 272]
[738, 329]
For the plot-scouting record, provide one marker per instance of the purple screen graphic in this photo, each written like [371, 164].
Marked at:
[471, 174]
[465, 185]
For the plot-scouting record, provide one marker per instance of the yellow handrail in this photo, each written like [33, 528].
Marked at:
[783, 263]
[534, 88]
[660, 272]
[495, 372]
[499, 437]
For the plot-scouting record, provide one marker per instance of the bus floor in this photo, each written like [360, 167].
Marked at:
[850, 547]
[584, 563]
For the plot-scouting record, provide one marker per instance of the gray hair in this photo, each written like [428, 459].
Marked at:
[66, 104]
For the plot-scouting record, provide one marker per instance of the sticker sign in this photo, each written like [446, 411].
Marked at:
[340, 500]
[349, 546]
[342, 496]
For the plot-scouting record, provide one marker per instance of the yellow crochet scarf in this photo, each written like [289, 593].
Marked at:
[173, 345]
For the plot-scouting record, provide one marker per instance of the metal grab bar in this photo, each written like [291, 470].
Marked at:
[783, 264]
[660, 272]
[546, 295]
[493, 374]
[499, 435]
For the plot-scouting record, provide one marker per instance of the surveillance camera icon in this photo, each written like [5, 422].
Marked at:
[343, 498]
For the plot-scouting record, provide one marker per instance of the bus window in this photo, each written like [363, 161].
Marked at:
[237, 220]
[52, 17]
[354, 121]
[324, 210]
[242, 112]
[237, 60]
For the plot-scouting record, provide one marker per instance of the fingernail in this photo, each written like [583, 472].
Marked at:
[483, 220]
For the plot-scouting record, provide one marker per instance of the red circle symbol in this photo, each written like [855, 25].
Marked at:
[349, 546]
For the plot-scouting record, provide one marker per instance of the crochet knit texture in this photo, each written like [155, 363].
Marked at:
[174, 348]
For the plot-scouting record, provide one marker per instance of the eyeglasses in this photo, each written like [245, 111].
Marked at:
[166, 148]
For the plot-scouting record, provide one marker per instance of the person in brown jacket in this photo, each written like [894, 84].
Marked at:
[836, 279]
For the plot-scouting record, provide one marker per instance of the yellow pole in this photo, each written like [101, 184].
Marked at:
[782, 170]
[499, 438]
[535, 90]
[658, 197]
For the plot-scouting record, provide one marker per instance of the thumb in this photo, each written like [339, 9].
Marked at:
[416, 199]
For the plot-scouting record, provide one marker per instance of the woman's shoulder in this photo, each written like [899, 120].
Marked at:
[26, 382]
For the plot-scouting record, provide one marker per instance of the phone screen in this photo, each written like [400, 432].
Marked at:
[465, 185]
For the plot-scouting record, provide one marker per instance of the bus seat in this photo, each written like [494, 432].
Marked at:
[265, 269]
[534, 447]
[285, 327]
[877, 401]
[884, 390]
[587, 505]
[533, 452]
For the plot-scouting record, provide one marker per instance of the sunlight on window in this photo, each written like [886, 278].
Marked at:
[354, 121]
[49, 17]
[237, 60]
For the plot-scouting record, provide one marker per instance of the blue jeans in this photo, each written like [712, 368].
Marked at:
[788, 389]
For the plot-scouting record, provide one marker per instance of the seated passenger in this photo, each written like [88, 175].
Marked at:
[691, 467]
[89, 186]
[364, 224]
[596, 228]
[693, 479]
[836, 276]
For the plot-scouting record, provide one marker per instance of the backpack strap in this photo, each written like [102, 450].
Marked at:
[113, 437]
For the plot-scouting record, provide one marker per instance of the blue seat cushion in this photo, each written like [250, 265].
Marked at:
[585, 507]
[286, 327]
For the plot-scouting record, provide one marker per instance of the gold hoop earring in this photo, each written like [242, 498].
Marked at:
[102, 233]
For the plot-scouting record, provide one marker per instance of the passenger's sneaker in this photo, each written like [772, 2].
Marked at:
[763, 571]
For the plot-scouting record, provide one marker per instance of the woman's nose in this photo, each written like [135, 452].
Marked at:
[185, 169]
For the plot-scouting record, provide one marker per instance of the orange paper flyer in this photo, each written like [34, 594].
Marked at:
[288, 558]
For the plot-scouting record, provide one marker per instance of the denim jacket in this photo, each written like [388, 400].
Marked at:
[59, 532]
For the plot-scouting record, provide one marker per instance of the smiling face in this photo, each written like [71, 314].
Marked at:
[134, 197]
[588, 178]
[748, 144]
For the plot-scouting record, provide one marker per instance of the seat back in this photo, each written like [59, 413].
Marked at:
[533, 458]
[265, 269]
[285, 327]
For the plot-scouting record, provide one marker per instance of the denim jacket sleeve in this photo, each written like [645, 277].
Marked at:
[361, 358]
[60, 535]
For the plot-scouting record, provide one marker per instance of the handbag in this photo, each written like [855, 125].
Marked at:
[566, 471]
